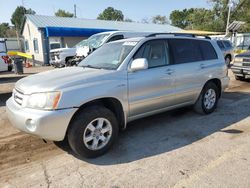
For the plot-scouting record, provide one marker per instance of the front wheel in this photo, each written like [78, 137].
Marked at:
[10, 67]
[93, 131]
[208, 99]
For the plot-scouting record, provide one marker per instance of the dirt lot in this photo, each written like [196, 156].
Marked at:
[173, 149]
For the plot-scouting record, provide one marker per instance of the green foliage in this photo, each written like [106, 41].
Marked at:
[18, 16]
[128, 20]
[63, 13]
[158, 19]
[4, 27]
[214, 19]
[111, 14]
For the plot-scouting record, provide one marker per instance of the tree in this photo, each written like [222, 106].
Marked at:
[158, 19]
[4, 27]
[63, 13]
[128, 20]
[179, 18]
[18, 16]
[111, 14]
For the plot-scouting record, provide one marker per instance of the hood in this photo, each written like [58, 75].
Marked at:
[59, 79]
[82, 51]
[245, 54]
[63, 49]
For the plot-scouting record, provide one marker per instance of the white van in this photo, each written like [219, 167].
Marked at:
[69, 56]
[4, 66]
[97, 40]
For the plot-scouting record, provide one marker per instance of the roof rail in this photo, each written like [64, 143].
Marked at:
[180, 34]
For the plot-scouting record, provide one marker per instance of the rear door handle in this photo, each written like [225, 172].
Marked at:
[169, 71]
[203, 66]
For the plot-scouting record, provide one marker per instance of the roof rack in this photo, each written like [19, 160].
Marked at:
[180, 34]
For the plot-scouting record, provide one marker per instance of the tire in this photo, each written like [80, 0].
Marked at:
[228, 61]
[239, 78]
[201, 106]
[79, 132]
[10, 67]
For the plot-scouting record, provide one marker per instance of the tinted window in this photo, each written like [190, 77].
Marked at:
[185, 50]
[227, 44]
[155, 52]
[207, 50]
[117, 37]
[220, 44]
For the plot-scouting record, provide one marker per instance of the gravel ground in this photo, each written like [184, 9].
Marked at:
[173, 149]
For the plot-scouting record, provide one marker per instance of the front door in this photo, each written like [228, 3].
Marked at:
[151, 89]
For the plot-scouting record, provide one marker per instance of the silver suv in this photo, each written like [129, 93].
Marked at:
[118, 83]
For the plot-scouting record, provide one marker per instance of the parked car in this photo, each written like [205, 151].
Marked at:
[5, 61]
[97, 40]
[227, 49]
[118, 83]
[54, 45]
[241, 66]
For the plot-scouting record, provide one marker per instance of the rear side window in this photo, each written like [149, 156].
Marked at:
[185, 50]
[207, 50]
[117, 37]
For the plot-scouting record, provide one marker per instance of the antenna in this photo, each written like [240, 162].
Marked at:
[75, 10]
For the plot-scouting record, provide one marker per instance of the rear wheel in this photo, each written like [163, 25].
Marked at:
[228, 60]
[10, 67]
[93, 132]
[239, 78]
[208, 99]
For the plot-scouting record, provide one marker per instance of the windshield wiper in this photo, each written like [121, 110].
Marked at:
[90, 66]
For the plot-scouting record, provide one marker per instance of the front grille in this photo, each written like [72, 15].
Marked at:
[246, 64]
[53, 55]
[18, 97]
[246, 60]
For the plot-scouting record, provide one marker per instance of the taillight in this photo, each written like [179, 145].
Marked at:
[6, 59]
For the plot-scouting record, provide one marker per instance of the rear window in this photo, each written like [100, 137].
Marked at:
[220, 44]
[227, 44]
[185, 50]
[207, 50]
[188, 50]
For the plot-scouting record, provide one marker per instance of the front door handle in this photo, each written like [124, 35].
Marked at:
[169, 71]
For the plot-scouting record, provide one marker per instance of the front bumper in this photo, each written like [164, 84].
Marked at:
[241, 71]
[224, 83]
[51, 125]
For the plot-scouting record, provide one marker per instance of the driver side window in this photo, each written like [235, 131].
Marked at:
[155, 52]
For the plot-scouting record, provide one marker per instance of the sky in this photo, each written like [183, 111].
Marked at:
[133, 9]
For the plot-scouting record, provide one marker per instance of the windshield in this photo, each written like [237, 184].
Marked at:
[55, 46]
[81, 44]
[109, 56]
[95, 41]
[2, 47]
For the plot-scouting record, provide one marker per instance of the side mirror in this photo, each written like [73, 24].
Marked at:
[139, 64]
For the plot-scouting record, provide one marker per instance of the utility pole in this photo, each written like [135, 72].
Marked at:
[230, 4]
[75, 10]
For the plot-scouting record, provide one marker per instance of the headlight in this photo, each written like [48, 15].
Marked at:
[238, 60]
[46, 101]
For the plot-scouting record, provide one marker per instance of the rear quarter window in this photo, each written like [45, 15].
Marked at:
[207, 50]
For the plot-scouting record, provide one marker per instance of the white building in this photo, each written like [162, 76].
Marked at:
[39, 31]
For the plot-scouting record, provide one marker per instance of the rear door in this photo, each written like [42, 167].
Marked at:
[151, 89]
[191, 68]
